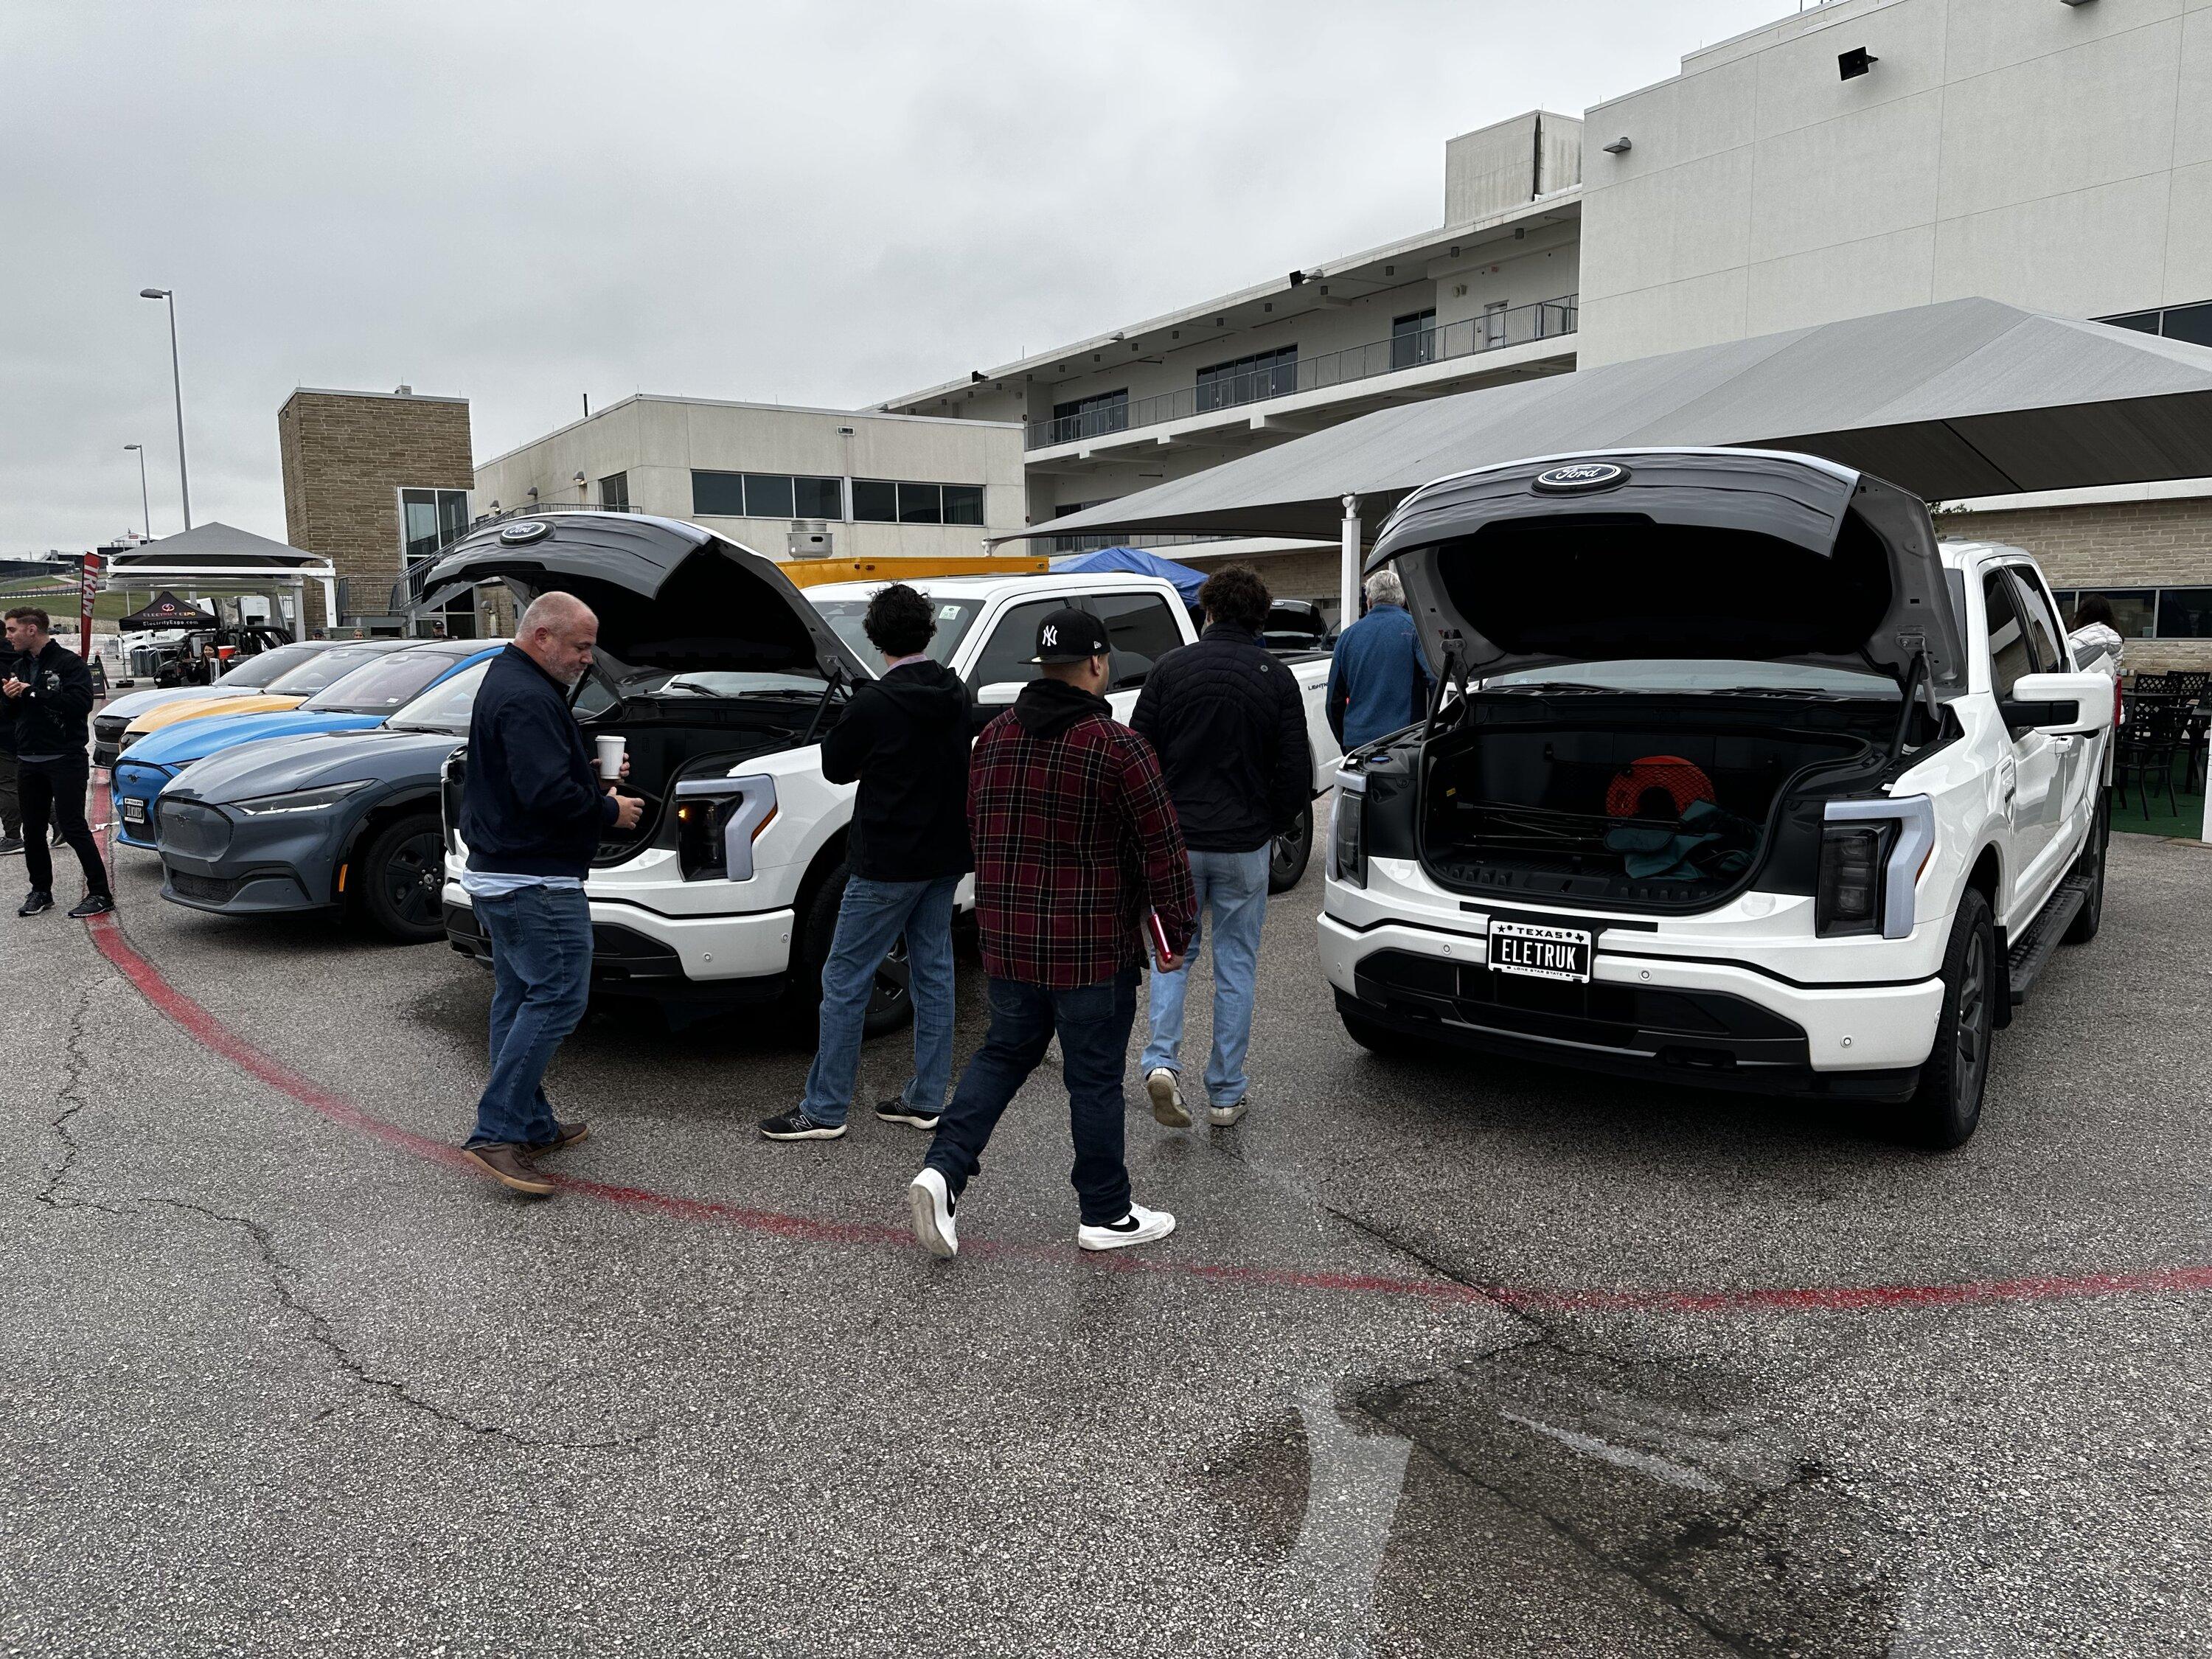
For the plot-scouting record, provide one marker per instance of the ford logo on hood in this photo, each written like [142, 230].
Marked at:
[531, 530]
[1582, 475]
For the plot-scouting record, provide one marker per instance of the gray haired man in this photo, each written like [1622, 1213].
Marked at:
[1378, 683]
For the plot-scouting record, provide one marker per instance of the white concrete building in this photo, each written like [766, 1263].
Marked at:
[1488, 296]
[785, 482]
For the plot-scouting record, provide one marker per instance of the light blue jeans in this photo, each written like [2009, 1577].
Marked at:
[870, 919]
[1233, 889]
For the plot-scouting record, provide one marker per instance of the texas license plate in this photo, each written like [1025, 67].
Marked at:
[1540, 952]
[134, 810]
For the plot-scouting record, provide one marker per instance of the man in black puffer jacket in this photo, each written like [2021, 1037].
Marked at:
[49, 700]
[1229, 726]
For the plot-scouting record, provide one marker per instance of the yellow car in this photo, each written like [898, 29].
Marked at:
[286, 691]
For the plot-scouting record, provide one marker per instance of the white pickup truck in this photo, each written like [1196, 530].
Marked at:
[722, 677]
[1740, 777]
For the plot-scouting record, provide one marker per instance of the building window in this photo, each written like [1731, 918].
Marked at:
[887, 501]
[428, 519]
[765, 495]
[1414, 339]
[2148, 613]
[2192, 323]
[614, 492]
[1248, 380]
[1086, 417]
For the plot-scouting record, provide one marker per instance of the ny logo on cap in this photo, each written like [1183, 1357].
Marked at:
[1050, 638]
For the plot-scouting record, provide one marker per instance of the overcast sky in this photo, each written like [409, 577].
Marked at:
[817, 204]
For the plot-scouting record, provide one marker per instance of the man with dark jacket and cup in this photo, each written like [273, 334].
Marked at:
[903, 738]
[49, 698]
[1230, 725]
[532, 813]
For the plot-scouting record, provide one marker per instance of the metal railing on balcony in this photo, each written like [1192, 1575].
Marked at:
[1493, 331]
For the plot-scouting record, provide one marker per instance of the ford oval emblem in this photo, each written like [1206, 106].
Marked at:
[1582, 475]
[530, 529]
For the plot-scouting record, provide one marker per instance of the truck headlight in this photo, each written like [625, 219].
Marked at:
[717, 822]
[1872, 852]
[1347, 836]
[298, 800]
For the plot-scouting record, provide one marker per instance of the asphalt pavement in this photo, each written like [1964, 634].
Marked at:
[1455, 1356]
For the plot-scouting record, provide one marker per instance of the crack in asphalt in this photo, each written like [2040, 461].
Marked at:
[71, 1096]
[281, 1277]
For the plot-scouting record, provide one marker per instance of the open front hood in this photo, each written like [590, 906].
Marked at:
[668, 594]
[1746, 555]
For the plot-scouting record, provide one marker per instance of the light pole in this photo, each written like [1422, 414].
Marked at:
[145, 509]
[176, 381]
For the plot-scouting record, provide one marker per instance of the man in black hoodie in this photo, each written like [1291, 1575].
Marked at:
[49, 693]
[904, 739]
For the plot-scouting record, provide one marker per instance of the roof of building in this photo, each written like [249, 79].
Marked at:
[870, 414]
[1360, 268]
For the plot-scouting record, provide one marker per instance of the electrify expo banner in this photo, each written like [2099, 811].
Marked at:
[87, 589]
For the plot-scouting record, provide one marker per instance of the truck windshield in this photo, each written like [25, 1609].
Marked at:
[716, 683]
[1702, 674]
[953, 618]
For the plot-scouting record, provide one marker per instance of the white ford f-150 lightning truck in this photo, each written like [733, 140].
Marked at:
[722, 677]
[1736, 774]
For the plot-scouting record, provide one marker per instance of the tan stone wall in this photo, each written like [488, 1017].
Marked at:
[346, 456]
[2112, 544]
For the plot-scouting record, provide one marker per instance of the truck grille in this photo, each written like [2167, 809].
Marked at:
[194, 830]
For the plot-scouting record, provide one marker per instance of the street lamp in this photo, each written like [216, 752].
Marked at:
[176, 380]
[145, 511]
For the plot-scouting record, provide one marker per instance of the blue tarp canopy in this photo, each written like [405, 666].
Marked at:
[1134, 561]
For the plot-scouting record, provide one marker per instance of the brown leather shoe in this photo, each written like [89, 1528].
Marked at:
[564, 1135]
[504, 1165]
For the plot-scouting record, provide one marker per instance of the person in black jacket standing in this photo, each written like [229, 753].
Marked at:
[532, 813]
[11, 811]
[1230, 725]
[49, 692]
[903, 739]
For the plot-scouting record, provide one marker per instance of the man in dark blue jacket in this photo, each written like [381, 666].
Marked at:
[532, 813]
[1377, 684]
[49, 701]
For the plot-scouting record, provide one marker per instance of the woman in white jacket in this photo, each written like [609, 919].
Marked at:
[2094, 633]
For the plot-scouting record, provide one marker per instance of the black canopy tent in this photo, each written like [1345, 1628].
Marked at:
[1964, 398]
[166, 610]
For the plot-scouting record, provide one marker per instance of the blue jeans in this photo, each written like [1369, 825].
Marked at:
[541, 965]
[869, 918]
[1233, 887]
[1092, 1023]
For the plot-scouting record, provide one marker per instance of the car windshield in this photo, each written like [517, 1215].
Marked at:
[716, 683]
[318, 672]
[252, 673]
[1702, 674]
[381, 687]
[445, 707]
[954, 617]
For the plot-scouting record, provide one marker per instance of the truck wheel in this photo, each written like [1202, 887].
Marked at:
[1287, 858]
[1947, 1104]
[400, 877]
[2092, 864]
[889, 1007]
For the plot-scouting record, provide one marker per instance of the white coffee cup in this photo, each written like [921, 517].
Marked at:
[611, 758]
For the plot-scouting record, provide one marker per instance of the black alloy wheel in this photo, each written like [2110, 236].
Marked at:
[1947, 1107]
[890, 1003]
[399, 879]
[1288, 853]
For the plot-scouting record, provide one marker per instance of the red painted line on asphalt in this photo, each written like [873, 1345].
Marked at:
[197, 1022]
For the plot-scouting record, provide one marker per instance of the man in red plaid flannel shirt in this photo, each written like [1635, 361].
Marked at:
[1077, 849]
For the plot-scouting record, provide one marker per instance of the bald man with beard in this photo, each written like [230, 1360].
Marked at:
[532, 813]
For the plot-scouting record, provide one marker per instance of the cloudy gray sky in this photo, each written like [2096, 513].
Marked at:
[825, 204]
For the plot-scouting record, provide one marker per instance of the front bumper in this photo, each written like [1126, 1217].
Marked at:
[736, 958]
[134, 787]
[229, 864]
[1649, 1009]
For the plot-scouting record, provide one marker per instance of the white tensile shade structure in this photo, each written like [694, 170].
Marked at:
[219, 560]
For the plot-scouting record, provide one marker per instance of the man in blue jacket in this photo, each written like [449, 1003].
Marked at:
[1377, 684]
[532, 813]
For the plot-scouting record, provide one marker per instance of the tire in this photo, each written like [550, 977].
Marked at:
[890, 1009]
[1287, 855]
[1947, 1105]
[2091, 915]
[399, 879]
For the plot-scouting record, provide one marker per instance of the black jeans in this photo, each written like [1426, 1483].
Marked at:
[53, 792]
[11, 811]
[1093, 1024]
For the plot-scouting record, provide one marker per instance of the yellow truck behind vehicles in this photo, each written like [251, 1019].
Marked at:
[814, 572]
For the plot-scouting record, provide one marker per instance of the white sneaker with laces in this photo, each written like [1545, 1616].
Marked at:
[1222, 1116]
[1167, 1098]
[931, 1202]
[1140, 1226]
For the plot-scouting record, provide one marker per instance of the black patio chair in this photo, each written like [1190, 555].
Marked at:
[2154, 738]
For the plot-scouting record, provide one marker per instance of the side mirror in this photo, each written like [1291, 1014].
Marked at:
[1000, 694]
[2062, 705]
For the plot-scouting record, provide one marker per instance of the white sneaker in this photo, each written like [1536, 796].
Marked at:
[1140, 1226]
[1167, 1098]
[1222, 1116]
[931, 1202]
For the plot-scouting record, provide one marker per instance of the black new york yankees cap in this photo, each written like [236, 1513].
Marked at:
[1068, 635]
